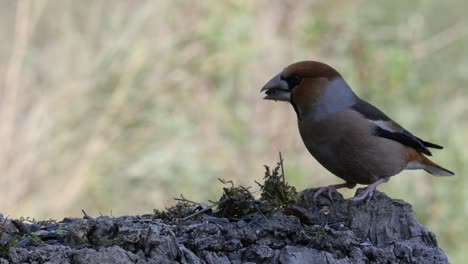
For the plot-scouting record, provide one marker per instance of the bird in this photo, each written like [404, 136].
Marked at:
[350, 137]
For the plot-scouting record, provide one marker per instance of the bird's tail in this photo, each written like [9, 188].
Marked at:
[437, 170]
[419, 161]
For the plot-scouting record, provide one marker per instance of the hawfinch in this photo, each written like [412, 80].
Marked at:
[351, 138]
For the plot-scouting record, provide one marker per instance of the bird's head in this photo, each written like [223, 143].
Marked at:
[307, 84]
[310, 77]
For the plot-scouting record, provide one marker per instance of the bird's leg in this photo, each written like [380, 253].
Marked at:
[369, 191]
[331, 188]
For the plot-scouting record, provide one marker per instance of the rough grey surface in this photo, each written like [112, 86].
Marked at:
[382, 231]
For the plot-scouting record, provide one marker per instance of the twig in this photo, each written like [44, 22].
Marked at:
[201, 211]
[281, 165]
[259, 184]
[183, 199]
[226, 182]
[85, 214]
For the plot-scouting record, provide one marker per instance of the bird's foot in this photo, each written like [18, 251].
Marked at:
[366, 194]
[331, 188]
[369, 191]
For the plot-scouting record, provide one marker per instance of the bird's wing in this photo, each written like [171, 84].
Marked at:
[386, 128]
[405, 138]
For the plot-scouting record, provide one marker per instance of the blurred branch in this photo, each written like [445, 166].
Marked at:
[21, 111]
[12, 86]
[440, 40]
[104, 131]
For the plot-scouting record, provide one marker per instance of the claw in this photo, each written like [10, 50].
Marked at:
[369, 191]
[331, 188]
[366, 194]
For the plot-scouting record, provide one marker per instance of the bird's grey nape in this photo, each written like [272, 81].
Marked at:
[337, 97]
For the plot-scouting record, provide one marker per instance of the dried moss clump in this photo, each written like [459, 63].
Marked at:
[239, 201]
[276, 193]
[236, 202]
[182, 209]
[30, 220]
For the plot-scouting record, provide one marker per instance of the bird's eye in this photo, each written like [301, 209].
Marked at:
[292, 80]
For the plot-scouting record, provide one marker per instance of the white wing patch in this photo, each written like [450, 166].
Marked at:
[384, 125]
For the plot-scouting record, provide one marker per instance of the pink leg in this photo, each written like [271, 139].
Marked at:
[369, 191]
[331, 188]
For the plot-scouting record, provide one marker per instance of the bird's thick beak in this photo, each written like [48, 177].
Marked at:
[276, 89]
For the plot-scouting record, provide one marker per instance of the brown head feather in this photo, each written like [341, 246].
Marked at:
[315, 76]
[307, 93]
[310, 69]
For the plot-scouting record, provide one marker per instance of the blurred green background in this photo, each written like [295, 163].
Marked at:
[116, 107]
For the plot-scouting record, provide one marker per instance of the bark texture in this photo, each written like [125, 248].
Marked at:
[381, 231]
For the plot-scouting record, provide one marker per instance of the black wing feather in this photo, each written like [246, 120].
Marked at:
[369, 111]
[405, 138]
[430, 145]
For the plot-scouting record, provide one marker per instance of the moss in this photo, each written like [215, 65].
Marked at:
[5, 248]
[276, 193]
[179, 211]
[34, 239]
[34, 221]
[238, 201]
